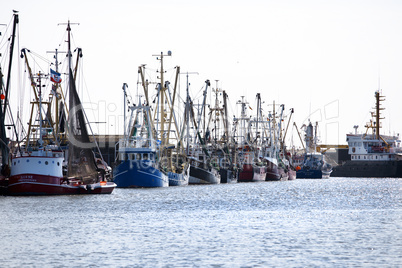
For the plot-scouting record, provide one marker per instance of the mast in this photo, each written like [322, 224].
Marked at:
[24, 54]
[258, 112]
[125, 95]
[216, 109]
[56, 86]
[172, 107]
[57, 101]
[378, 99]
[40, 109]
[69, 45]
[162, 99]
[207, 83]
[282, 106]
[4, 141]
[69, 55]
[144, 83]
[226, 120]
[187, 117]
[286, 131]
[16, 20]
[242, 133]
[315, 136]
[162, 95]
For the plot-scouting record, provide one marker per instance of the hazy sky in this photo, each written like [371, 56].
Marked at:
[322, 58]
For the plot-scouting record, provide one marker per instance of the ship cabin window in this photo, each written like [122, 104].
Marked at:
[145, 156]
[359, 156]
[376, 157]
[131, 156]
[201, 158]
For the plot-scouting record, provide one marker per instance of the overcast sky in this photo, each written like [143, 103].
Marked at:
[323, 58]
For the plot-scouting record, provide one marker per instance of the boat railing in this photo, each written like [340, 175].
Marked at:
[42, 153]
[137, 142]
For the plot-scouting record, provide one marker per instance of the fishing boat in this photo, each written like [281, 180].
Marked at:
[277, 157]
[314, 165]
[251, 167]
[220, 142]
[204, 169]
[172, 160]
[274, 165]
[372, 155]
[137, 154]
[250, 171]
[49, 164]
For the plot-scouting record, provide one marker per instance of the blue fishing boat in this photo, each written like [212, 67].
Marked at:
[314, 165]
[137, 153]
[172, 160]
[138, 169]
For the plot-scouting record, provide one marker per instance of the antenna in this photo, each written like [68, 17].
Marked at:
[379, 72]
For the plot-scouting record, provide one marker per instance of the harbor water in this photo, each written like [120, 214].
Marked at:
[336, 222]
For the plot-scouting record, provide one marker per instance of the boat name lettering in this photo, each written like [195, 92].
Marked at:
[26, 178]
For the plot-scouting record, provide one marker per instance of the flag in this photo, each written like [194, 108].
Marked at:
[55, 76]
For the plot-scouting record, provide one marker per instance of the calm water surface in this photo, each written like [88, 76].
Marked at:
[303, 223]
